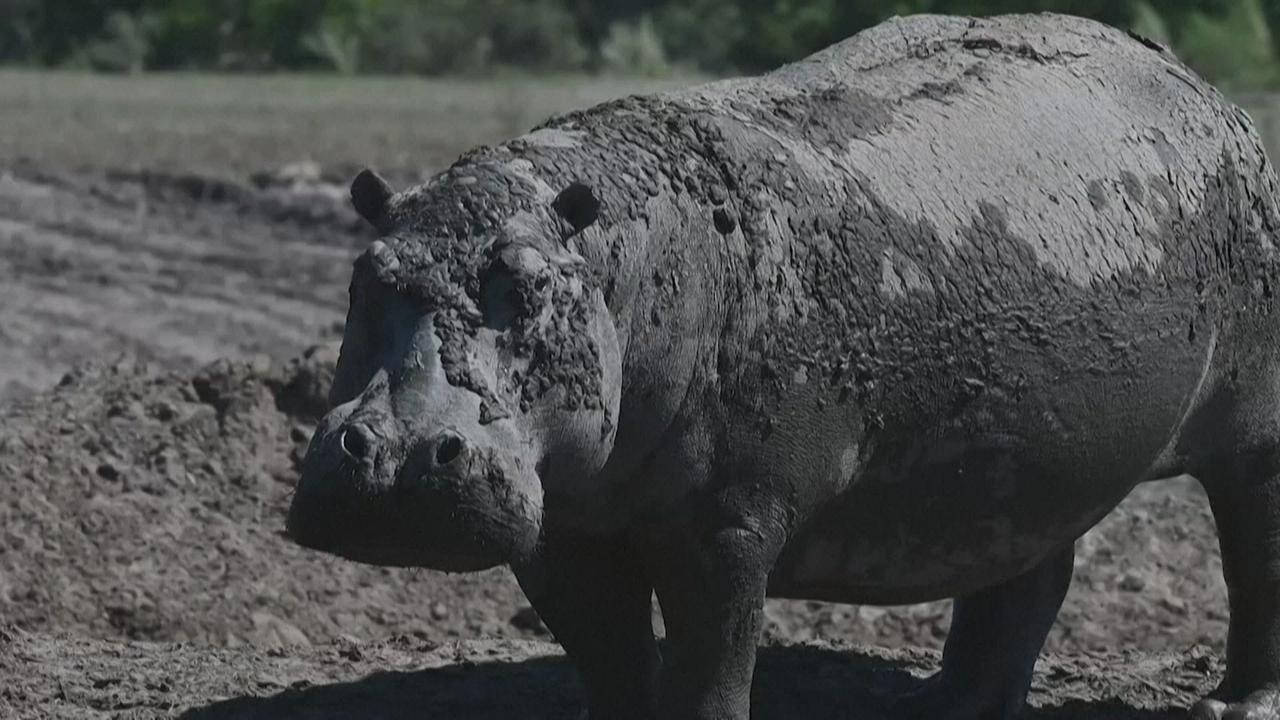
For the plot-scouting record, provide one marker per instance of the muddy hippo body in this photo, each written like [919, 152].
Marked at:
[895, 323]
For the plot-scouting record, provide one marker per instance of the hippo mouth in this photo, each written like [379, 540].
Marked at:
[454, 523]
[353, 533]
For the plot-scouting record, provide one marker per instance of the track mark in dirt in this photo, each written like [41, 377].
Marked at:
[96, 266]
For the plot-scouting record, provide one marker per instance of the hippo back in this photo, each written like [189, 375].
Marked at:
[942, 226]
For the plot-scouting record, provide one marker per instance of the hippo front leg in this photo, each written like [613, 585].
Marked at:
[712, 593]
[590, 595]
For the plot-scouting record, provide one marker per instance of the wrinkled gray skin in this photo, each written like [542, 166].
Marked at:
[897, 322]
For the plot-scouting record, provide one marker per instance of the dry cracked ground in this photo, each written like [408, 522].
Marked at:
[166, 341]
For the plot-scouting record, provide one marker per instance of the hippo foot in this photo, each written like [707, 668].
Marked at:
[1261, 705]
[949, 698]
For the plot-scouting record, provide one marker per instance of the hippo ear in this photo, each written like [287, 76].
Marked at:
[578, 205]
[371, 196]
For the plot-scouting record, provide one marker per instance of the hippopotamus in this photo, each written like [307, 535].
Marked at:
[897, 322]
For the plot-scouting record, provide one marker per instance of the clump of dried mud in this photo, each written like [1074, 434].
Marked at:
[149, 505]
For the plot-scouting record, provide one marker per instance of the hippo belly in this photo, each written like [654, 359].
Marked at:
[946, 508]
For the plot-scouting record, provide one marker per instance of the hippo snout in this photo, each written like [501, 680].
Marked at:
[438, 499]
[448, 448]
[358, 442]
[364, 447]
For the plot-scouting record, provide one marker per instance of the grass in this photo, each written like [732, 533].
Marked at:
[211, 124]
[235, 125]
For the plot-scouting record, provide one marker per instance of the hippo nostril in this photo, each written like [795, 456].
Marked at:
[355, 442]
[448, 450]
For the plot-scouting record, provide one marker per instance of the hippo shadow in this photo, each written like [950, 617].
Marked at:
[791, 682]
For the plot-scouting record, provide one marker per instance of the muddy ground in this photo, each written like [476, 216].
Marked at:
[166, 341]
[68, 676]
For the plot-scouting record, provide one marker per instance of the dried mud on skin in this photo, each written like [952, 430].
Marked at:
[143, 501]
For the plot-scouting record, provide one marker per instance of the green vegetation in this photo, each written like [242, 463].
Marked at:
[1235, 43]
[232, 126]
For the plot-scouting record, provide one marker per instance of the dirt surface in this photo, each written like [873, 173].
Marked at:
[179, 269]
[142, 570]
[70, 677]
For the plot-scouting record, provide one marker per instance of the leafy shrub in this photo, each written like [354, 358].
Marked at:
[123, 46]
[784, 30]
[1230, 41]
[541, 34]
[18, 40]
[633, 48]
[431, 37]
[701, 33]
[337, 50]
[1148, 23]
[440, 36]
[1235, 49]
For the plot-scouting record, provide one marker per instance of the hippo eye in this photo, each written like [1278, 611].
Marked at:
[499, 299]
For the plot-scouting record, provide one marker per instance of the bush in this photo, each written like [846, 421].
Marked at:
[124, 45]
[1230, 41]
[540, 35]
[784, 30]
[440, 36]
[1235, 50]
[17, 30]
[337, 50]
[701, 33]
[430, 38]
[633, 48]
[1148, 23]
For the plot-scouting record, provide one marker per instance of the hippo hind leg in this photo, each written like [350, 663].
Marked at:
[1245, 496]
[1238, 462]
[996, 636]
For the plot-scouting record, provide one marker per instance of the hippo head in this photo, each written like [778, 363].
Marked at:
[479, 367]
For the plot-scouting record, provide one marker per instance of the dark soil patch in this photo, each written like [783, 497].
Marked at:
[69, 677]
